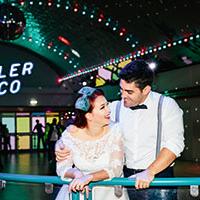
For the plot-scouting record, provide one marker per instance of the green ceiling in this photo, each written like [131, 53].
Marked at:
[145, 23]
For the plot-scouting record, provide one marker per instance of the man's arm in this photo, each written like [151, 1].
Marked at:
[34, 128]
[64, 153]
[172, 143]
[164, 159]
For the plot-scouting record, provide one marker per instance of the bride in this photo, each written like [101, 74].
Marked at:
[96, 149]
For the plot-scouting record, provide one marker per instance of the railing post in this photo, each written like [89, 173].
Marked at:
[194, 190]
[48, 187]
[90, 193]
[75, 196]
[2, 184]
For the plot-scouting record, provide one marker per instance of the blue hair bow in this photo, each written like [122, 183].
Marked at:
[83, 103]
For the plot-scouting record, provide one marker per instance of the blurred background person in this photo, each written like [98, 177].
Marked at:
[53, 135]
[40, 134]
[6, 137]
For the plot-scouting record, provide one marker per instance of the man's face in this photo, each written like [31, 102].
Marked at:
[131, 94]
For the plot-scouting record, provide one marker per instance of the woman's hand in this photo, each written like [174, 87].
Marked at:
[86, 189]
[79, 184]
[77, 173]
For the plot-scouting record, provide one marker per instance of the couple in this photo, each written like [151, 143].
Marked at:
[97, 145]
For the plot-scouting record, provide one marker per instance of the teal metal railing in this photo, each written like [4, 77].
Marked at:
[179, 181]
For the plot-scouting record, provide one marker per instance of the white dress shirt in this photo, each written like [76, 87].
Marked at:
[139, 128]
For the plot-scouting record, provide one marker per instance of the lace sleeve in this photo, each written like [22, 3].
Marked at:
[63, 166]
[116, 155]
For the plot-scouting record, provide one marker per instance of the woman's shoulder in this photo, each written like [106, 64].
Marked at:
[67, 134]
[73, 133]
[70, 139]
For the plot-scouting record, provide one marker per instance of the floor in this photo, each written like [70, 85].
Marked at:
[26, 163]
[37, 163]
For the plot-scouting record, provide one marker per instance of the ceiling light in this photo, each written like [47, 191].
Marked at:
[152, 65]
[84, 83]
[75, 53]
[33, 102]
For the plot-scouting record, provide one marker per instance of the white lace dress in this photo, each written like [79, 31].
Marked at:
[105, 153]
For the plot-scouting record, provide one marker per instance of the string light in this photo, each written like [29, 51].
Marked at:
[136, 54]
[114, 25]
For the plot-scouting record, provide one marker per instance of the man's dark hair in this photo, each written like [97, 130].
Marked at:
[138, 72]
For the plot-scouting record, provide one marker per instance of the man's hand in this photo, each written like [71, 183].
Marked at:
[143, 179]
[61, 151]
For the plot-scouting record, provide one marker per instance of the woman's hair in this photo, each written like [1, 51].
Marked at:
[80, 120]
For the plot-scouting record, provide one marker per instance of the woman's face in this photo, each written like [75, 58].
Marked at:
[101, 112]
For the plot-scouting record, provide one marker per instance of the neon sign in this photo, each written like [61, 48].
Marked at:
[16, 70]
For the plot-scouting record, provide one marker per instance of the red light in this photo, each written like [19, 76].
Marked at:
[48, 110]
[101, 16]
[49, 3]
[99, 20]
[122, 31]
[66, 55]
[185, 40]
[21, 2]
[169, 44]
[64, 40]
[58, 80]
[76, 7]
[50, 45]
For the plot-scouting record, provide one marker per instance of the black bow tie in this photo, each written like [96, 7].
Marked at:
[138, 107]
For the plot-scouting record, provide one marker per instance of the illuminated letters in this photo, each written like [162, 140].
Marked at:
[1, 73]
[3, 91]
[15, 86]
[16, 69]
[13, 69]
[27, 68]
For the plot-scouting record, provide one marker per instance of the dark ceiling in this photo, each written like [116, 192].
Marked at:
[79, 34]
